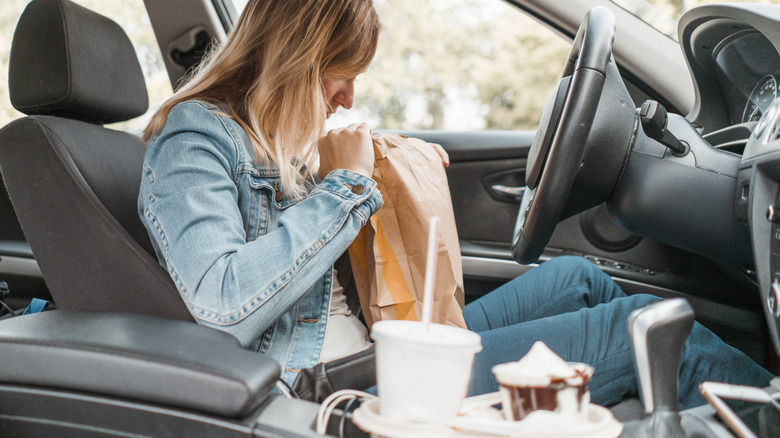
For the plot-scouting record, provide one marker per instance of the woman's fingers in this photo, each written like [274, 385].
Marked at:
[445, 158]
[348, 148]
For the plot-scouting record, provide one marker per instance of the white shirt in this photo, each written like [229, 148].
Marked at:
[344, 334]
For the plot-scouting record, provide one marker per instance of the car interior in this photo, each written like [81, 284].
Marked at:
[667, 179]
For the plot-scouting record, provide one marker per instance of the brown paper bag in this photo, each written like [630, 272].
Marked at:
[389, 255]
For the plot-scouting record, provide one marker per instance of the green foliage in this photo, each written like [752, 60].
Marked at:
[441, 64]
[520, 73]
[459, 64]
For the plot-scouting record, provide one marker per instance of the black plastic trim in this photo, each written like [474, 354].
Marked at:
[137, 357]
[226, 12]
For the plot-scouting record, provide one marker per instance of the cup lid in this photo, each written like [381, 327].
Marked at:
[414, 332]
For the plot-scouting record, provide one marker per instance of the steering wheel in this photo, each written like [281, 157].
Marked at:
[559, 146]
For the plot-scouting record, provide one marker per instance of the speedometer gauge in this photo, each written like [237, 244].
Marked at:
[762, 96]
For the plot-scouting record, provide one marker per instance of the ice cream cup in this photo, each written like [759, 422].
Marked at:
[544, 381]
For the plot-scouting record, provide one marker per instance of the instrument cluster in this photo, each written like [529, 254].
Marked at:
[748, 71]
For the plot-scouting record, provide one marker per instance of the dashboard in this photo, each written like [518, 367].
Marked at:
[733, 53]
[760, 166]
[747, 71]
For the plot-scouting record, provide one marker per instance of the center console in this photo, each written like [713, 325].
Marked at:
[759, 179]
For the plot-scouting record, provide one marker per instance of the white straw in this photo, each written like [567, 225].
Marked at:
[430, 272]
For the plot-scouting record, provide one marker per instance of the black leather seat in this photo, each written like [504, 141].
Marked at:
[73, 182]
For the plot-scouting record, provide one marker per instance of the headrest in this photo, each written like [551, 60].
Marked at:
[69, 61]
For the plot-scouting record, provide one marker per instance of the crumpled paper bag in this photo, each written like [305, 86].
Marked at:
[388, 256]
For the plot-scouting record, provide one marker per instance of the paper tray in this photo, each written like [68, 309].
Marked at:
[480, 420]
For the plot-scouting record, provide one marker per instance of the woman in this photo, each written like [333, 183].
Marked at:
[250, 232]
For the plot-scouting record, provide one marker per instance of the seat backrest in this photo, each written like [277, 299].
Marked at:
[10, 230]
[73, 183]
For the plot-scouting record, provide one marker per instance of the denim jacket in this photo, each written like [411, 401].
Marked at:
[245, 258]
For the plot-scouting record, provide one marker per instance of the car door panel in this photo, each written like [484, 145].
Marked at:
[725, 298]
[479, 161]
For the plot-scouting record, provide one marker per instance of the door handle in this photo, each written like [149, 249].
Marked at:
[515, 193]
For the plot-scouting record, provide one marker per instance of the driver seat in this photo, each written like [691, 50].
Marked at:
[74, 183]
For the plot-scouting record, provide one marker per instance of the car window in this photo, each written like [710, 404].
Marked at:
[131, 15]
[456, 65]
[664, 14]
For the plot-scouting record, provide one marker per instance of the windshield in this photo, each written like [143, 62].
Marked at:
[664, 14]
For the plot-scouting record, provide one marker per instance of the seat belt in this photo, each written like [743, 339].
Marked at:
[37, 305]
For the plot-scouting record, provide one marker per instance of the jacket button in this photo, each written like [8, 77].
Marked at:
[358, 189]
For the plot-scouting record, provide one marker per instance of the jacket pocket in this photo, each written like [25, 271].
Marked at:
[255, 202]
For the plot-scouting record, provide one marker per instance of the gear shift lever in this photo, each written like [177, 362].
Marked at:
[658, 333]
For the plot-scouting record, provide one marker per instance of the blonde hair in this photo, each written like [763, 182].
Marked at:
[268, 76]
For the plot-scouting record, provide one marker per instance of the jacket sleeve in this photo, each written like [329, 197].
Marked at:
[189, 204]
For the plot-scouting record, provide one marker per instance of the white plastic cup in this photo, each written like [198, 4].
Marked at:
[422, 373]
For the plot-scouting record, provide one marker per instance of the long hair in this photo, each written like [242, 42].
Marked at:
[268, 76]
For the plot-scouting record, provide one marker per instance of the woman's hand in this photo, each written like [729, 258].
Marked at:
[445, 159]
[348, 148]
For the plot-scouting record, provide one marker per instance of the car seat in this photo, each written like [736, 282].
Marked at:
[74, 183]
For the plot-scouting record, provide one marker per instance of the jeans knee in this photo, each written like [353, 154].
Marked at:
[581, 267]
[641, 300]
[572, 263]
[587, 277]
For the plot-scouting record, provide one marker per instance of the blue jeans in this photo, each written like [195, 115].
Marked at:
[581, 314]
